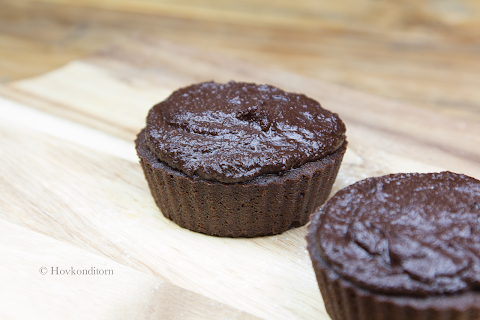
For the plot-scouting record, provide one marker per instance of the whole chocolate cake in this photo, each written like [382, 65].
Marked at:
[401, 246]
[240, 159]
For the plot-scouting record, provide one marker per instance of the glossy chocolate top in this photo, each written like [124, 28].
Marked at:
[237, 131]
[405, 234]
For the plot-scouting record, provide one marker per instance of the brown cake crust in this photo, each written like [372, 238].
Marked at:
[266, 205]
[448, 204]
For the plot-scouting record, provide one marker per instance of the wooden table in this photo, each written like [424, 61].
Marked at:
[74, 196]
[422, 52]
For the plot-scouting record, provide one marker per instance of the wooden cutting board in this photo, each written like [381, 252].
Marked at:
[73, 196]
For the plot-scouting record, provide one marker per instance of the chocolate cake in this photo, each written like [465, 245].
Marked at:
[240, 159]
[401, 246]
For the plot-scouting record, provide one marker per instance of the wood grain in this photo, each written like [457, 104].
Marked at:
[70, 177]
[122, 294]
[420, 52]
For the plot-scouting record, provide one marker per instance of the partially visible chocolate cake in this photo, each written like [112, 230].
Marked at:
[240, 159]
[401, 246]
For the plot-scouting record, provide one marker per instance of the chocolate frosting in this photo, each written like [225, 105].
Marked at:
[237, 131]
[405, 234]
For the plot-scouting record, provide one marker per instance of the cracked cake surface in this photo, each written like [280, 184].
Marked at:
[401, 246]
[237, 131]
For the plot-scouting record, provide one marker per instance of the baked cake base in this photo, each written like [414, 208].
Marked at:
[267, 205]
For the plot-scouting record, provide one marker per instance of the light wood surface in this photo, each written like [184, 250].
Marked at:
[423, 52]
[74, 195]
[122, 294]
